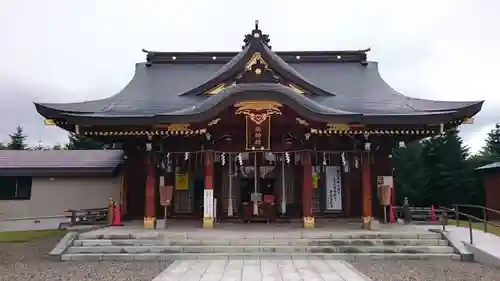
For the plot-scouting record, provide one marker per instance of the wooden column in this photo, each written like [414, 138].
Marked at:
[149, 212]
[208, 208]
[393, 193]
[347, 189]
[307, 190]
[366, 188]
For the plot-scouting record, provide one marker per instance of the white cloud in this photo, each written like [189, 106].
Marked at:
[59, 50]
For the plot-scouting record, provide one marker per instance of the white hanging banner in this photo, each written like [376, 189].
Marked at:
[333, 177]
[208, 203]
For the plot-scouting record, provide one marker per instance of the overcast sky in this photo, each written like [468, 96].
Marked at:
[66, 51]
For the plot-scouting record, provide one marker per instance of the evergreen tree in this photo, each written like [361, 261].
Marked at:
[410, 174]
[2, 146]
[450, 175]
[82, 142]
[17, 140]
[491, 151]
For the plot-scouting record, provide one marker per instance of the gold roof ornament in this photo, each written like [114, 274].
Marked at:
[258, 111]
[217, 89]
[256, 57]
[302, 121]
[214, 122]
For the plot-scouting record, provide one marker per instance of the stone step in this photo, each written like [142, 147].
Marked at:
[257, 235]
[260, 249]
[252, 242]
[255, 256]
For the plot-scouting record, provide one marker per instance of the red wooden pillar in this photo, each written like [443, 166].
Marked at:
[149, 212]
[307, 190]
[393, 192]
[366, 188]
[208, 207]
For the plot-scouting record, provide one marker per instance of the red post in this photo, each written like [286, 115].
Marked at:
[391, 214]
[149, 212]
[117, 221]
[366, 188]
[432, 214]
[307, 190]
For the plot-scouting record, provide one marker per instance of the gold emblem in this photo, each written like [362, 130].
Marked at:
[214, 122]
[258, 111]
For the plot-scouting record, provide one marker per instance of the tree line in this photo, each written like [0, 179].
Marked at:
[441, 170]
[17, 141]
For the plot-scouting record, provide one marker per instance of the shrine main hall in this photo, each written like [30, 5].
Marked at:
[258, 135]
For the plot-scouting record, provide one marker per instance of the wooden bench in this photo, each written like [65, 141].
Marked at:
[88, 216]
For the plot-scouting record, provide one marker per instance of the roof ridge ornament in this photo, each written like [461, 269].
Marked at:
[256, 35]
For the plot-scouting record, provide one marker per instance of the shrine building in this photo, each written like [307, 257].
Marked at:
[257, 134]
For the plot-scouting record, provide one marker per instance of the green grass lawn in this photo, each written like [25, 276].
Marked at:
[476, 225]
[27, 236]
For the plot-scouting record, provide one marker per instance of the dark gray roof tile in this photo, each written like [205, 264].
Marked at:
[60, 159]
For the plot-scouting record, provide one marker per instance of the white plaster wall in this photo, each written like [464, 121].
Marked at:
[52, 196]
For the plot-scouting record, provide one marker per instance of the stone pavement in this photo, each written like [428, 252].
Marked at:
[486, 242]
[261, 270]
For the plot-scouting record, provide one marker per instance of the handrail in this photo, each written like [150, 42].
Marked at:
[469, 219]
[485, 212]
[477, 206]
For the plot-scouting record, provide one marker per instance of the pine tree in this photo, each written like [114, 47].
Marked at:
[2, 146]
[450, 175]
[17, 140]
[81, 142]
[410, 174]
[491, 151]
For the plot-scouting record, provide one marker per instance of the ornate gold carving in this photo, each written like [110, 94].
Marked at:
[338, 127]
[49, 122]
[302, 122]
[217, 89]
[214, 122]
[253, 60]
[258, 111]
[468, 121]
[296, 88]
[175, 127]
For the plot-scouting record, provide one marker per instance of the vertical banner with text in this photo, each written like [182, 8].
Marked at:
[258, 135]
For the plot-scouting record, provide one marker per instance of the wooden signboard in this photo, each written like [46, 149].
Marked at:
[166, 195]
[258, 135]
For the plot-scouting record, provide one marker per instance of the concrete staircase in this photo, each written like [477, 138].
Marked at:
[287, 245]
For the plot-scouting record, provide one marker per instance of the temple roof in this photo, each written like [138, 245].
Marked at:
[195, 86]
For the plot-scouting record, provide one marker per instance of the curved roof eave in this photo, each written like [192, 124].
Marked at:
[304, 106]
[427, 105]
[54, 110]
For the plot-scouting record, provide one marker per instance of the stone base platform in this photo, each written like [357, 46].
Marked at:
[339, 242]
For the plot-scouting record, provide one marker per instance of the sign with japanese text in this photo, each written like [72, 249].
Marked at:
[258, 135]
[181, 181]
[333, 188]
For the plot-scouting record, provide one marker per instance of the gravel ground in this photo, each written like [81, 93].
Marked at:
[30, 262]
[427, 271]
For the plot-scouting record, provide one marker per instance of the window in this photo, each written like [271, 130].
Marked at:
[15, 188]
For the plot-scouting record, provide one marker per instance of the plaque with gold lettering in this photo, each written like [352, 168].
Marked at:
[258, 135]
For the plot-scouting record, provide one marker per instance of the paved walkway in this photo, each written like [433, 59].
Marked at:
[261, 270]
[486, 242]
